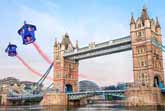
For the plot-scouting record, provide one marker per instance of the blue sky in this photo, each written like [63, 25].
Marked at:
[85, 20]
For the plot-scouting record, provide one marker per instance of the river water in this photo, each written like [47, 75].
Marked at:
[91, 107]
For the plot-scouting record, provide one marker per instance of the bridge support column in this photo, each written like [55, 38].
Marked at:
[65, 74]
[55, 99]
[147, 62]
[3, 99]
[65, 70]
[74, 103]
[143, 96]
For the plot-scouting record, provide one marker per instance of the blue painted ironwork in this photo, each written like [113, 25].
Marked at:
[42, 79]
[35, 94]
[11, 50]
[49, 87]
[25, 97]
[27, 33]
[80, 95]
[163, 90]
[158, 44]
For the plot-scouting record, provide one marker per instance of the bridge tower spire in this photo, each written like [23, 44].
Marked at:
[65, 70]
[147, 59]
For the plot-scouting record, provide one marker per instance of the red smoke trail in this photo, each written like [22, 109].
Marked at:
[75, 74]
[29, 68]
[37, 73]
[42, 53]
[49, 78]
[50, 62]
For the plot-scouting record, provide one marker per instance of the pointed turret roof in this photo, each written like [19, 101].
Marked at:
[77, 44]
[132, 20]
[157, 23]
[66, 41]
[55, 43]
[144, 14]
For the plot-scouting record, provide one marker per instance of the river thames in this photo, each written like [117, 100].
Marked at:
[91, 107]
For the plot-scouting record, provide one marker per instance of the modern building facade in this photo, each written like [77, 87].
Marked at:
[86, 85]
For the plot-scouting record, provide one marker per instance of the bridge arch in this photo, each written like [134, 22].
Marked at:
[68, 88]
[157, 81]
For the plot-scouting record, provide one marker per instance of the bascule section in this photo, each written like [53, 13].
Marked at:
[147, 58]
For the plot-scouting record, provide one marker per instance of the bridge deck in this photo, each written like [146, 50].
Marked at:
[108, 47]
[80, 95]
[25, 97]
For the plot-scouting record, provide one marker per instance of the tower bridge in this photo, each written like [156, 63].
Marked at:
[147, 62]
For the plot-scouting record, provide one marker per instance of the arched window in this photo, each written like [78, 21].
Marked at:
[156, 81]
[140, 33]
[68, 88]
[142, 76]
[139, 25]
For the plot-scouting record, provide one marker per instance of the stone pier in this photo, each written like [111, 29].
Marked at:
[83, 101]
[144, 96]
[3, 99]
[55, 99]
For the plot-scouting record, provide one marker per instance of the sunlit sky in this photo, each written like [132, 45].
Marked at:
[84, 20]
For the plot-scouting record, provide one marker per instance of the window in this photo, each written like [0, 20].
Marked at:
[141, 50]
[142, 62]
[157, 56]
[139, 25]
[69, 75]
[160, 65]
[157, 65]
[143, 78]
[140, 34]
[57, 56]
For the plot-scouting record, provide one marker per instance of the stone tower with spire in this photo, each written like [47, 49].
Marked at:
[65, 71]
[147, 59]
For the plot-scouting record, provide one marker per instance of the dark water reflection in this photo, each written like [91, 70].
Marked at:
[94, 107]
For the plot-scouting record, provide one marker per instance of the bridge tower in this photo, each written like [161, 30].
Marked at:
[65, 71]
[147, 59]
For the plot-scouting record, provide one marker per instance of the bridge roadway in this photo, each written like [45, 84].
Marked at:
[104, 48]
[25, 97]
[71, 96]
[115, 93]
[80, 95]
[75, 95]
